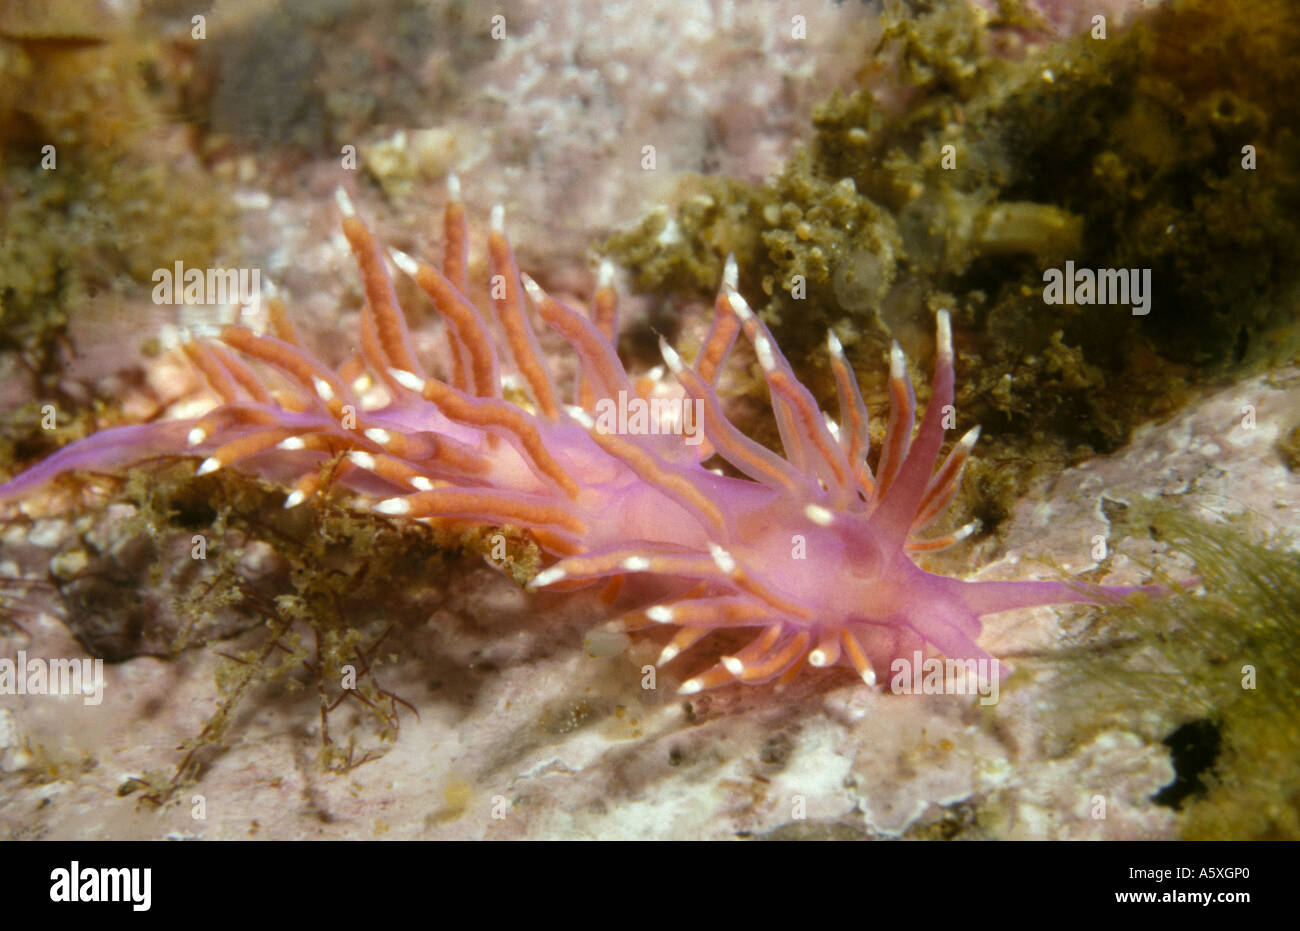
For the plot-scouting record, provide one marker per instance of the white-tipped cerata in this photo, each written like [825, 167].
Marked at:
[944, 326]
[690, 687]
[738, 304]
[345, 203]
[323, 389]
[636, 564]
[498, 219]
[406, 263]
[970, 438]
[208, 466]
[547, 577]
[408, 380]
[730, 273]
[722, 559]
[733, 666]
[869, 675]
[660, 614]
[897, 362]
[668, 655]
[196, 436]
[378, 435]
[362, 460]
[605, 274]
[393, 506]
[420, 483]
[833, 343]
[965, 530]
[295, 498]
[671, 358]
[291, 444]
[817, 658]
[763, 349]
[582, 417]
[453, 187]
[534, 290]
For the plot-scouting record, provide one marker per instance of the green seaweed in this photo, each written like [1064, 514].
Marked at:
[1228, 659]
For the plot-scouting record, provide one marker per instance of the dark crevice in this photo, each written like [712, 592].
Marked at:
[1195, 747]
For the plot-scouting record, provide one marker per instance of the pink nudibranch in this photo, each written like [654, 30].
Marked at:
[808, 550]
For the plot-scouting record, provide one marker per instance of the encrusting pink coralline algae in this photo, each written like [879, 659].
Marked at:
[809, 550]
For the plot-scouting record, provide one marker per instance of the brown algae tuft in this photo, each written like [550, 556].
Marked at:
[957, 178]
[320, 597]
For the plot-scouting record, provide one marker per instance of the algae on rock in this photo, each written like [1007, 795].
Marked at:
[959, 177]
[1226, 661]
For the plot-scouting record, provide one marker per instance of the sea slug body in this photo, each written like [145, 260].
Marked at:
[808, 550]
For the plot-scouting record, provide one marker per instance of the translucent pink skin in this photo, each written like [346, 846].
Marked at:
[808, 550]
